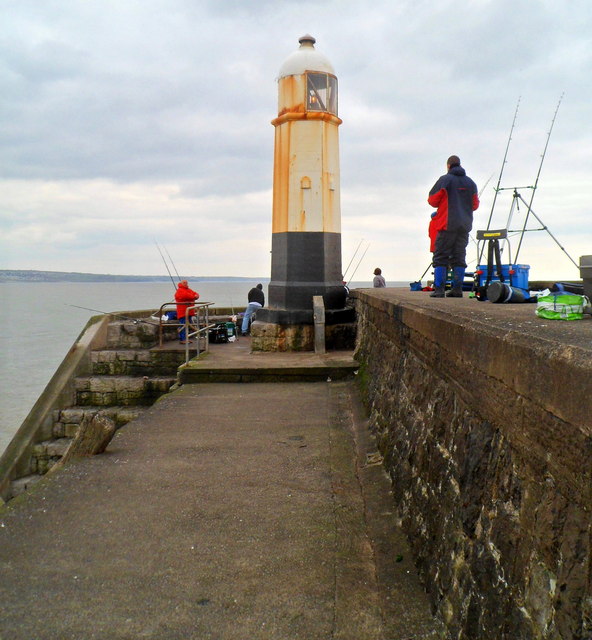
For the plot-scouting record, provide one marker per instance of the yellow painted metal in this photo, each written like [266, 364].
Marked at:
[306, 194]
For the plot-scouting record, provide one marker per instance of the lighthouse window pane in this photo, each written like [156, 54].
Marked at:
[321, 90]
[316, 92]
[332, 98]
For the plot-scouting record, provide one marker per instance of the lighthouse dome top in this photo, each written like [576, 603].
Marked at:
[305, 58]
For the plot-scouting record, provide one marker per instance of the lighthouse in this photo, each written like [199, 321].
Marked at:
[306, 219]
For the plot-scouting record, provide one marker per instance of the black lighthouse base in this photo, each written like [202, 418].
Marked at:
[304, 264]
[305, 316]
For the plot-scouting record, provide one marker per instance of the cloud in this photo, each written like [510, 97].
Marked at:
[121, 121]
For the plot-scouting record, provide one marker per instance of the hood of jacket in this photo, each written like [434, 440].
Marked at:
[457, 170]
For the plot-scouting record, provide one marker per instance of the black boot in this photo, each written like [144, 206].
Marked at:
[438, 292]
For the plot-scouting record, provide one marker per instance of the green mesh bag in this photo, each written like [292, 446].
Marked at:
[565, 306]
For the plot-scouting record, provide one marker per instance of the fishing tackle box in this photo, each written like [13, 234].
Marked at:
[219, 333]
[514, 274]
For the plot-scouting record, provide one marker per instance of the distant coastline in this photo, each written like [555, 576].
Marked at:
[16, 275]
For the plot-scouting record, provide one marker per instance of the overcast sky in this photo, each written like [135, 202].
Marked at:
[126, 121]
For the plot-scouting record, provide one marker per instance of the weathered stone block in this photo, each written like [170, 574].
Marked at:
[268, 336]
[94, 435]
[73, 415]
[58, 447]
[59, 429]
[70, 430]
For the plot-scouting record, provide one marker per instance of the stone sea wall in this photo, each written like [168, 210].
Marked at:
[486, 436]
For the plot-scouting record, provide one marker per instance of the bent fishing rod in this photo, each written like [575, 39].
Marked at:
[166, 265]
[115, 315]
[536, 183]
[354, 271]
[171, 261]
[497, 188]
[352, 258]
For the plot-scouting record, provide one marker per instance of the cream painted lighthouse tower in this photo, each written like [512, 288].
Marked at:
[306, 229]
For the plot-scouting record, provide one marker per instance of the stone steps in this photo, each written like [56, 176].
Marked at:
[135, 362]
[46, 454]
[43, 457]
[107, 391]
[127, 377]
[67, 421]
[208, 371]
[65, 427]
[130, 334]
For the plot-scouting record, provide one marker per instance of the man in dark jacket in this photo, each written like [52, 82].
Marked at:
[456, 197]
[256, 299]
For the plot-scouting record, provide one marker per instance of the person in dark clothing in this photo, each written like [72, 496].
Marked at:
[256, 299]
[455, 196]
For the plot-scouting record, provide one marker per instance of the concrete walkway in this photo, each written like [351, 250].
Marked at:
[227, 511]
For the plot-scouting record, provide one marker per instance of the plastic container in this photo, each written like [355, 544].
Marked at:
[231, 329]
[519, 275]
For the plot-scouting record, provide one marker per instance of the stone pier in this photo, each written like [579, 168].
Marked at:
[483, 414]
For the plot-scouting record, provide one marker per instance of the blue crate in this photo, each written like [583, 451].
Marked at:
[519, 275]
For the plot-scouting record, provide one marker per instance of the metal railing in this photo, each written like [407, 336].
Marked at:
[201, 325]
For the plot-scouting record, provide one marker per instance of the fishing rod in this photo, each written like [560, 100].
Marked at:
[485, 185]
[115, 315]
[171, 261]
[166, 265]
[536, 182]
[352, 275]
[352, 258]
[497, 188]
[423, 274]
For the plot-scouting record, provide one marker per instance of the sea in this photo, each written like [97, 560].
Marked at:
[41, 320]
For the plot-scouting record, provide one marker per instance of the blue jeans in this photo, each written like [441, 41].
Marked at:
[182, 332]
[252, 307]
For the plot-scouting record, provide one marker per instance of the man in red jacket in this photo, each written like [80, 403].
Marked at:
[184, 297]
[456, 197]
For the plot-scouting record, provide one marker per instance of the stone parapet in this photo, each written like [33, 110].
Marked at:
[484, 420]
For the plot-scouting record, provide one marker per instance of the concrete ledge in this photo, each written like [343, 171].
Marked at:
[549, 362]
[234, 363]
